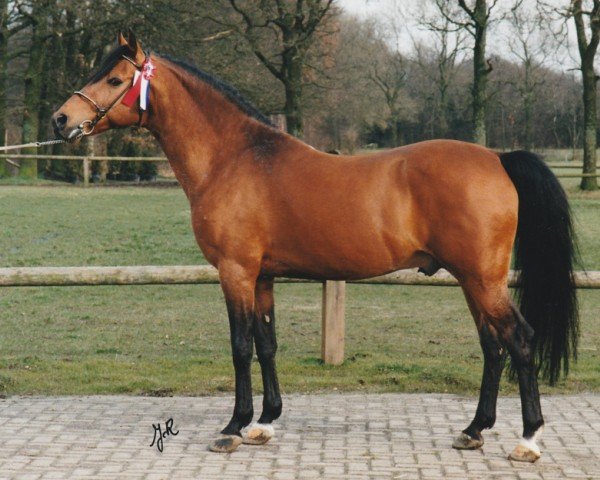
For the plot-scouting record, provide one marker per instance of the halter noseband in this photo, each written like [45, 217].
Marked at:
[87, 126]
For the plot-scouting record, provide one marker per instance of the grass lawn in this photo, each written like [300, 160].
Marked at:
[174, 339]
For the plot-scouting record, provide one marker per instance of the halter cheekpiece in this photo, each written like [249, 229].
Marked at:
[139, 88]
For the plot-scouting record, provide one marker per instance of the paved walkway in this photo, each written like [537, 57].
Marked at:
[396, 436]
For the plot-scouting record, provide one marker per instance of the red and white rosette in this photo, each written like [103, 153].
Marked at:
[140, 87]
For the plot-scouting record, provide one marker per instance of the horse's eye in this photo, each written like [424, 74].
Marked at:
[115, 82]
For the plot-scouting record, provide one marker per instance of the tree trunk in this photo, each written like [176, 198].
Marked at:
[293, 60]
[443, 110]
[589, 126]
[4, 171]
[394, 133]
[480, 73]
[33, 88]
[293, 109]
[528, 111]
[587, 52]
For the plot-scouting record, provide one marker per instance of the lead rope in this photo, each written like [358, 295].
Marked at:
[32, 145]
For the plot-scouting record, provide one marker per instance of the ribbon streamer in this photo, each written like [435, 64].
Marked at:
[144, 88]
[140, 87]
[134, 92]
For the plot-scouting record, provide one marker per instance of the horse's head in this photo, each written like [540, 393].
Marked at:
[106, 101]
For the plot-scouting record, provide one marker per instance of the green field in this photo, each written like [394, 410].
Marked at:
[159, 340]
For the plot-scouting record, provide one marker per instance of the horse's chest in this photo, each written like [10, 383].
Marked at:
[219, 232]
[207, 230]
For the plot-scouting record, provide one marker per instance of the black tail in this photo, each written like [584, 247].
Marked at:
[545, 251]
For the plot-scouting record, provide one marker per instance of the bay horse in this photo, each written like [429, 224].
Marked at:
[266, 205]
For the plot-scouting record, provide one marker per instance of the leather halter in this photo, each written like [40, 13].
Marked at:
[87, 126]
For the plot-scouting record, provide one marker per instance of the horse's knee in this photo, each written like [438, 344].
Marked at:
[265, 339]
[242, 352]
[266, 352]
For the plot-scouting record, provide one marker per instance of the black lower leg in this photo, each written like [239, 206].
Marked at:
[519, 344]
[240, 323]
[266, 347]
[494, 357]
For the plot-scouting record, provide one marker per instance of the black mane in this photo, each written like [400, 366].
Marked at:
[231, 93]
[109, 63]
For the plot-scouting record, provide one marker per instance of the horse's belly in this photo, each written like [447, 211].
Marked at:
[341, 260]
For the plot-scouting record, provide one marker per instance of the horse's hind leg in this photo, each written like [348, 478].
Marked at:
[494, 356]
[496, 313]
[266, 347]
[518, 339]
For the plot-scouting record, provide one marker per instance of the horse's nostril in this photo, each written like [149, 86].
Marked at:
[60, 120]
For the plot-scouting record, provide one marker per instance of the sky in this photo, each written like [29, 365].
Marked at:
[498, 36]
[361, 7]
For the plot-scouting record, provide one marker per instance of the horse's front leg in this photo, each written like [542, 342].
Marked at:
[266, 347]
[238, 285]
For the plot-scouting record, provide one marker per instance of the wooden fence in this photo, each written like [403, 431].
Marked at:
[333, 319]
[87, 165]
[88, 159]
[332, 316]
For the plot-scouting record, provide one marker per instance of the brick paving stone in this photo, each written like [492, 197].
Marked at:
[334, 436]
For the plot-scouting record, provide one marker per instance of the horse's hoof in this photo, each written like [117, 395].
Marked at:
[521, 453]
[225, 443]
[466, 442]
[258, 434]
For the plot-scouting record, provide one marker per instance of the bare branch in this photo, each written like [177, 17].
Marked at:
[217, 36]
[465, 7]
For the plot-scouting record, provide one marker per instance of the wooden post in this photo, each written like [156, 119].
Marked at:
[333, 322]
[86, 172]
[4, 169]
[334, 294]
[333, 328]
[279, 121]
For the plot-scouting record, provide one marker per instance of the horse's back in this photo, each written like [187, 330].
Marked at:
[366, 215]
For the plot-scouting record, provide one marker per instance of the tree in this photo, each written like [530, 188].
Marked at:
[11, 23]
[38, 17]
[526, 45]
[351, 103]
[586, 20]
[587, 44]
[4, 33]
[475, 19]
[439, 64]
[280, 34]
[388, 73]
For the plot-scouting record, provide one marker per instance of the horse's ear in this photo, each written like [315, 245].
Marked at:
[121, 40]
[132, 42]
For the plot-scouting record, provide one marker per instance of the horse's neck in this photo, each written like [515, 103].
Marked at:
[198, 129]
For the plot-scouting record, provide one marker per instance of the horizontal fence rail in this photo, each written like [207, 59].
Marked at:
[206, 274]
[565, 165]
[87, 159]
[27, 156]
[333, 296]
[83, 157]
[577, 175]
